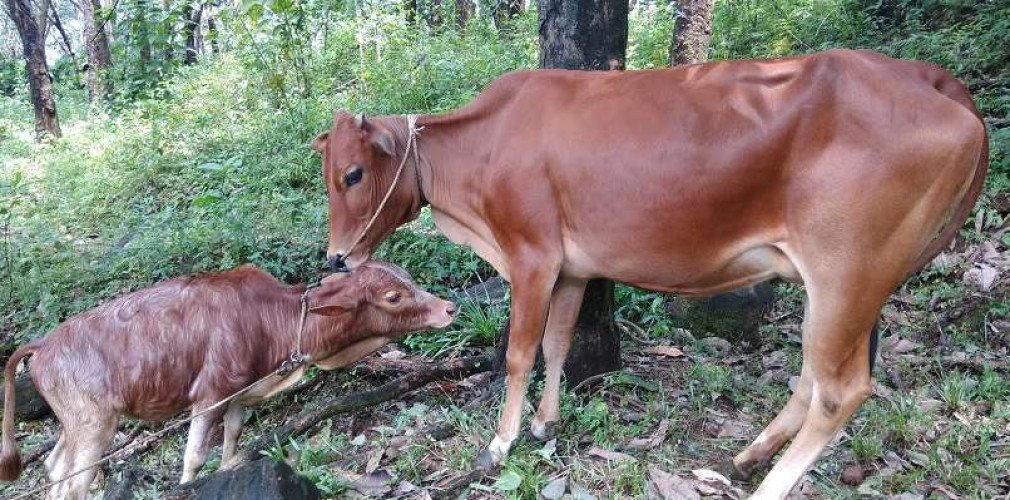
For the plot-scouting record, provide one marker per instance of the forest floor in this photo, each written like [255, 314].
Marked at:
[938, 424]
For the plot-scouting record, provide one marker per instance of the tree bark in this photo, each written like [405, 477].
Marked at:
[212, 32]
[39, 82]
[464, 11]
[692, 32]
[583, 34]
[67, 45]
[505, 10]
[97, 45]
[587, 35]
[192, 20]
[169, 53]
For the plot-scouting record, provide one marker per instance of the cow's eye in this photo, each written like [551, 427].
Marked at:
[393, 296]
[354, 176]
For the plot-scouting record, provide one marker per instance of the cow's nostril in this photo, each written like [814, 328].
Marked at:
[450, 309]
[337, 264]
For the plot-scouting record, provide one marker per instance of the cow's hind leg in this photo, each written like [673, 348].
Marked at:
[564, 310]
[837, 366]
[233, 420]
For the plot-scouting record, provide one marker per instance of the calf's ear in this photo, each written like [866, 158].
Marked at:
[333, 299]
[319, 143]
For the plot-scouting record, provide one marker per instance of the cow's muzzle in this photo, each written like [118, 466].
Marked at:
[338, 264]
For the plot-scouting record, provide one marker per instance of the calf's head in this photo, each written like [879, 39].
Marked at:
[374, 304]
[360, 160]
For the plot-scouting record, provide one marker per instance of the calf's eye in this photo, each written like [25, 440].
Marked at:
[393, 296]
[353, 177]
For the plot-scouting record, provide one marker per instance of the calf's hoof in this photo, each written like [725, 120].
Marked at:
[487, 460]
[544, 431]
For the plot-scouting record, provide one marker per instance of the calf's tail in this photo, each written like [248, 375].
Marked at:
[10, 460]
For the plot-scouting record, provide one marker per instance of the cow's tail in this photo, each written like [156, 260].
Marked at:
[10, 460]
[955, 90]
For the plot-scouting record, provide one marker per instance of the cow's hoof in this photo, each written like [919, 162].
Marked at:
[742, 470]
[487, 460]
[544, 431]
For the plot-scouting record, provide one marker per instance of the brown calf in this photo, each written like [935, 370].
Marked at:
[189, 343]
[845, 171]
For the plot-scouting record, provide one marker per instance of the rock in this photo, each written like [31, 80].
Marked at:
[129, 482]
[30, 404]
[733, 316]
[581, 493]
[717, 345]
[263, 479]
[488, 292]
[853, 475]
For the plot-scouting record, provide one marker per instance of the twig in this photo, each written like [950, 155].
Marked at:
[632, 330]
[306, 420]
[450, 487]
[593, 378]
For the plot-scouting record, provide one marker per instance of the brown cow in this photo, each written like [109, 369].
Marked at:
[845, 171]
[189, 343]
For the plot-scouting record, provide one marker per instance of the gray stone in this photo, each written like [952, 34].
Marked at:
[491, 291]
[734, 316]
[263, 479]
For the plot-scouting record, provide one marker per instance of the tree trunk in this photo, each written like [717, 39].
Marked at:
[169, 53]
[583, 34]
[505, 10]
[692, 32]
[192, 20]
[97, 45]
[464, 11]
[39, 82]
[212, 32]
[67, 45]
[588, 35]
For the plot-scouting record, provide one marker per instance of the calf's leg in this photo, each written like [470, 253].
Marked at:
[233, 420]
[85, 440]
[532, 283]
[198, 443]
[564, 310]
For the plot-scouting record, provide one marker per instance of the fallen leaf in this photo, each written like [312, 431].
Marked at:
[376, 484]
[710, 476]
[734, 429]
[508, 481]
[554, 489]
[581, 493]
[613, 456]
[373, 461]
[405, 487]
[667, 486]
[904, 346]
[655, 439]
[666, 350]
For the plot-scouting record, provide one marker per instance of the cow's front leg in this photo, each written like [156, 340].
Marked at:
[531, 293]
[564, 310]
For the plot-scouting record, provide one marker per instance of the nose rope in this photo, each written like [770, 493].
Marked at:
[340, 264]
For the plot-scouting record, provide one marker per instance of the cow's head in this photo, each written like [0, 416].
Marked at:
[360, 160]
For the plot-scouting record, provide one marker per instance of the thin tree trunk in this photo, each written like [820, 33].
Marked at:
[67, 45]
[464, 11]
[505, 10]
[692, 32]
[192, 20]
[587, 35]
[169, 52]
[97, 45]
[39, 82]
[212, 32]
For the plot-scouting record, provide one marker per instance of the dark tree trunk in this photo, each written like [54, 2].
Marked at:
[593, 35]
[67, 45]
[505, 10]
[583, 34]
[169, 53]
[212, 32]
[192, 20]
[410, 11]
[41, 86]
[464, 11]
[692, 32]
[97, 45]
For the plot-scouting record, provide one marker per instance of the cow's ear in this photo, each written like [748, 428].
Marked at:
[334, 297]
[319, 143]
[383, 141]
